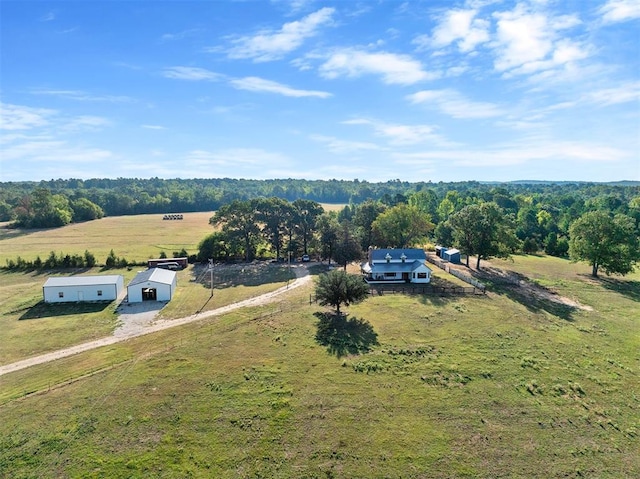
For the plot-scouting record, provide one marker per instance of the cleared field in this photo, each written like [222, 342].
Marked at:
[503, 385]
[136, 238]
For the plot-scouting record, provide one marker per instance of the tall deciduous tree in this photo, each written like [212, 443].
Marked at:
[606, 242]
[336, 288]
[483, 230]
[346, 248]
[275, 215]
[238, 220]
[401, 226]
[307, 213]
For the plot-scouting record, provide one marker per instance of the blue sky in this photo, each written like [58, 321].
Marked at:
[374, 90]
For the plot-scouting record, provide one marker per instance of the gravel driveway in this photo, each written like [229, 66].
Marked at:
[137, 319]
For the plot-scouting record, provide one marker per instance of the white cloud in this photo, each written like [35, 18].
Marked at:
[79, 95]
[620, 10]
[191, 73]
[455, 105]
[401, 134]
[336, 145]
[18, 117]
[256, 84]
[154, 127]
[625, 93]
[236, 160]
[180, 35]
[393, 68]
[268, 45]
[460, 26]
[529, 41]
[519, 153]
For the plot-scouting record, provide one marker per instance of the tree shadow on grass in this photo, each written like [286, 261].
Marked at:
[629, 288]
[48, 310]
[343, 336]
[532, 301]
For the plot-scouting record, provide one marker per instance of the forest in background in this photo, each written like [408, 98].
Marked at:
[595, 222]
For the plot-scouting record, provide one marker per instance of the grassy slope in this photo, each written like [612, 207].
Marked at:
[457, 387]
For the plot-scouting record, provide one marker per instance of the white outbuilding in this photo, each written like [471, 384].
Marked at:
[65, 289]
[154, 284]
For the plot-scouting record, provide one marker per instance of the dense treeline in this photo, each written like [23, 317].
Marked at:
[74, 200]
[601, 230]
[277, 218]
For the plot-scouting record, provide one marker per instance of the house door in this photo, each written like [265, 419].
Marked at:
[406, 277]
[80, 296]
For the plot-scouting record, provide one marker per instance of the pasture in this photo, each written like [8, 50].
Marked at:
[503, 385]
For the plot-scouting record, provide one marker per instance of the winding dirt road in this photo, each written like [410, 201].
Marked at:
[302, 278]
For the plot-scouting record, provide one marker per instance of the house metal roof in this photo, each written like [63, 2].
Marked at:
[58, 281]
[411, 254]
[157, 275]
[406, 267]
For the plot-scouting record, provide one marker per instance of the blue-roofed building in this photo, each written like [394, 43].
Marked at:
[396, 266]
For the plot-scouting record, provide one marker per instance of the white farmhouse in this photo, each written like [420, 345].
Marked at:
[82, 288]
[154, 284]
[396, 266]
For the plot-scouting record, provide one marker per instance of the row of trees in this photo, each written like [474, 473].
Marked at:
[484, 229]
[540, 208]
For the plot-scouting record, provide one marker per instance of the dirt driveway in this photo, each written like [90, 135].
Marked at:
[137, 320]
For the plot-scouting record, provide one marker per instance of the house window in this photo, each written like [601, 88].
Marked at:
[60, 294]
[422, 275]
[99, 292]
[389, 275]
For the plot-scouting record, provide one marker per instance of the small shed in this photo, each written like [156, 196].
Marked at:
[154, 284]
[440, 250]
[65, 289]
[452, 255]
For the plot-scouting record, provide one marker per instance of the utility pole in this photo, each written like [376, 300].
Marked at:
[211, 271]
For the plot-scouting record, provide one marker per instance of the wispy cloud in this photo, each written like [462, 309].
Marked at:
[625, 93]
[519, 153]
[620, 11]
[402, 134]
[455, 104]
[393, 68]
[18, 117]
[256, 84]
[268, 45]
[236, 162]
[79, 95]
[154, 127]
[457, 26]
[168, 37]
[191, 73]
[336, 145]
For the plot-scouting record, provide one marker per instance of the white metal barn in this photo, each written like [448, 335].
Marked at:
[154, 284]
[82, 288]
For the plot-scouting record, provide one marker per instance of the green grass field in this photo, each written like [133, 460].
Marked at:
[407, 387]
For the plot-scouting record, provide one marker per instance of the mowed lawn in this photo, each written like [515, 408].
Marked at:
[408, 386]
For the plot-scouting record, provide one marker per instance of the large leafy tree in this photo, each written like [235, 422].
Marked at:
[275, 215]
[346, 247]
[483, 230]
[605, 241]
[401, 226]
[238, 221]
[365, 215]
[306, 215]
[336, 288]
